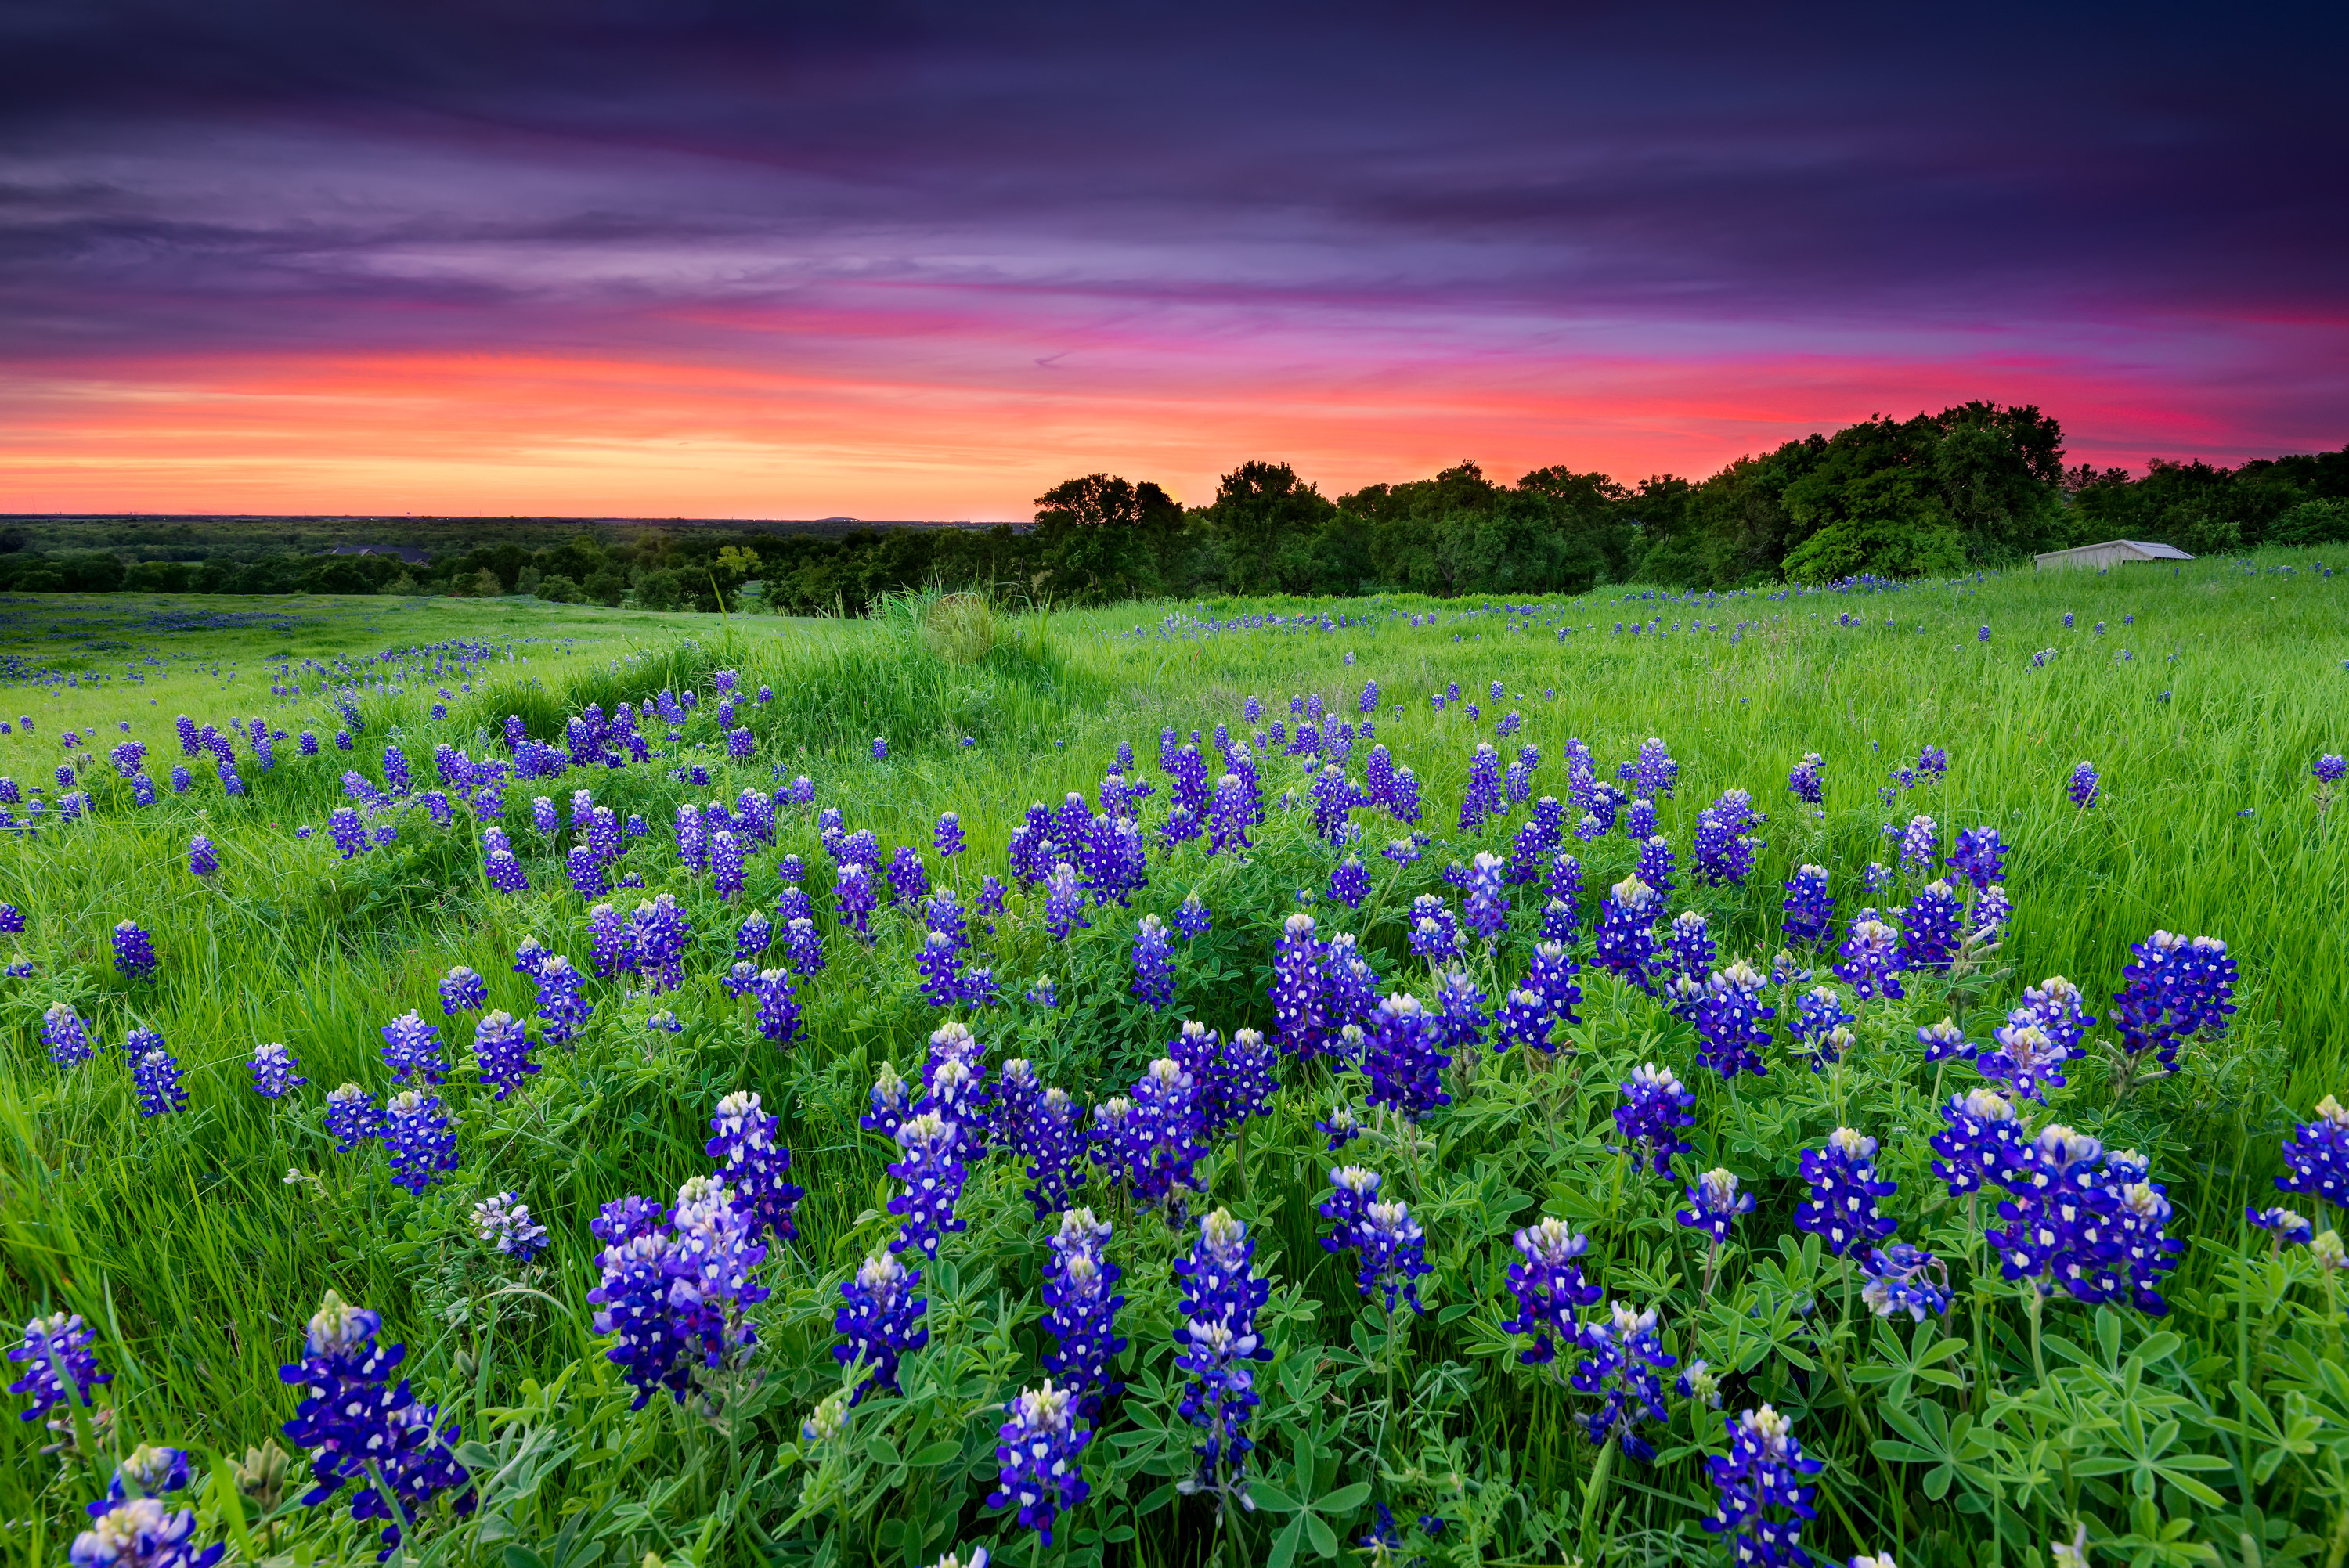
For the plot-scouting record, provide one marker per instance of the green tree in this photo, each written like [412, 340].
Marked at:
[1257, 507]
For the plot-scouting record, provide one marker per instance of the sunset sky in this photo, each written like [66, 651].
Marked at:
[902, 262]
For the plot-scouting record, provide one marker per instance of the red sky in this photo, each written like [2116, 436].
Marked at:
[263, 258]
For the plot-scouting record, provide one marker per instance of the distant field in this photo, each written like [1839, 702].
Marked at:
[196, 1243]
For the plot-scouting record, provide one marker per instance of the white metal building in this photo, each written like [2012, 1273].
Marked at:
[2111, 553]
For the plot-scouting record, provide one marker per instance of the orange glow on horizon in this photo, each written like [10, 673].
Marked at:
[541, 433]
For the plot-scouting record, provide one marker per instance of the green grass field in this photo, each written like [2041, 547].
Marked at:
[196, 1244]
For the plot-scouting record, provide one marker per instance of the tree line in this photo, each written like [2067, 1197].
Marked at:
[1976, 486]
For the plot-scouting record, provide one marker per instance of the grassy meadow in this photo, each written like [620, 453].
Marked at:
[196, 1244]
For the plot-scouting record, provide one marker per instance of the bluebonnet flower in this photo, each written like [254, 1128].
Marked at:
[632, 1299]
[1979, 856]
[155, 1072]
[505, 872]
[134, 952]
[1716, 1203]
[752, 1165]
[803, 949]
[1192, 919]
[2317, 1156]
[1352, 1189]
[1403, 797]
[359, 1426]
[203, 860]
[1919, 846]
[1349, 884]
[1723, 851]
[1157, 1143]
[1626, 1355]
[1896, 1282]
[1803, 780]
[11, 919]
[1626, 945]
[1333, 798]
[1053, 1140]
[2172, 990]
[1154, 964]
[1872, 960]
[1945, 1042]
[418, 1138]
[1689, 943]
[1080, 1312]
[1434, 934]
[881, 1320]
[1339, 1127]
[1229, 818]
[1764, 1492]
[1655, 864]
[1982, 1141]
[2083, 1222]
[1487, 912]
[1392, 1250]
[348, 832]
[1064, 902]
[1482, 799]
[1875, 877]
[1458, 1019]
[141, 1532]
[273, 1071]
[503, 1222]
[1039, 1455]
[1931, 931]
[461, 988]
[151, 1470]
[411, 1047]
[2026, 1059]
[778, 1010]
[1842, 1207]
[502, 1048]
[1654, 1109]
[1298, 991]
[1404, 1058]
[933, 1175]
[2081, 788]
[908, 881]
[710, 1268]
[2284, 1228]
[562, 1004]
[1652, 773]
[66, 1034]
[887, 1105]
[854, 898]
[1549, 1288]
[1733, 1021]
[1042, 993]
[1987, 923]
[56, 1351]
[587, 874]
[351, 1118]
[1215, 1340]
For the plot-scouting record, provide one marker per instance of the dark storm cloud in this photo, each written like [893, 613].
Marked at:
[2020, 160]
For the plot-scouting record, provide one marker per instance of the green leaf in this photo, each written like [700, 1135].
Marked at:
[935, 1453]
[1285, 1545]
[1345, 1499]
[1269, 1496]
[1325, 1540]
[881, 1450]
